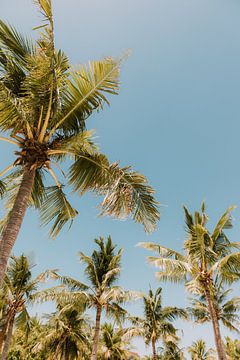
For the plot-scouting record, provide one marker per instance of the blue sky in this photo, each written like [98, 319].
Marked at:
[176, 120]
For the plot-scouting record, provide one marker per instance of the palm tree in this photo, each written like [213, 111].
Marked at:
[22, 346]
[227, 311]
[157, 322]
[67, 334]
[207, 255]
[19, 287]
[171, 350]
[102, 270]
[198, 351]
[232, 348]
[115, 343]
[44, 105]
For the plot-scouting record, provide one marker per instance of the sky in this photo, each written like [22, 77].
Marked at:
[176, 120]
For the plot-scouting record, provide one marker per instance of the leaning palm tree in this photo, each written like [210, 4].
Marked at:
[157, 322]
[198, 351]
[227, 310]
[102, 270]
[115, 343]
[67, 334]
[44, 105]
[19, 287]
[208, 255]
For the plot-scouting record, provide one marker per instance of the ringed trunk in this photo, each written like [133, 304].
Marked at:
[15, 219]
[8, 339]
[154, 349]
[96, 333]
[216, 329]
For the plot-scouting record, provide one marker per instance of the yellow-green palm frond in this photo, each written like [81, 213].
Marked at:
[162, 250]
[225, 222]
[170, 269]
[126, 192]
[56, 209]
[85, 91]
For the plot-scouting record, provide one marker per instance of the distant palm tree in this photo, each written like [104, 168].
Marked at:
[102, 270]
[208, 255]
[232, 348]
[115, 343]
[171, 350]
[44, 105]
[198, 351]
[67, 334]
[227, 311]
[19, 287]
[22, 346]
[157, 321]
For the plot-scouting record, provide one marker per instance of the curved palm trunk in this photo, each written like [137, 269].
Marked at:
[15, 220]
[154, 349]
[96, 333]
[8, 339]
[216, 329]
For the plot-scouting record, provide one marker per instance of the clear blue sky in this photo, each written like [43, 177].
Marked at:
[176, 120]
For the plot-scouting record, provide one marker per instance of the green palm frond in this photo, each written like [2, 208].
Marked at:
[229, 267]
[56, 209]
[10, 110]
[73, 284]
[2, 188]
[223, 223]
[11, 41]
[126, 192]
[85, 92]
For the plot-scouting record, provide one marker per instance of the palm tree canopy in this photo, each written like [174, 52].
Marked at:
[198, 351]
[206, 254]
[227, 310]
[157, 321]
[44, 106]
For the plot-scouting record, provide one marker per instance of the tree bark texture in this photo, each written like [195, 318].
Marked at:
[8, 339]
[13, 225]
[96, 333]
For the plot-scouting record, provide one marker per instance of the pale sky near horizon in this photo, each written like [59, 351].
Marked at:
[176, 120]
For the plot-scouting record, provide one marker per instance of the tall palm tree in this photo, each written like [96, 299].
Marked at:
[102, 270]
[44, 105]
[207, 255]
[157, 322]
[227, 310]
[115, 343]
[19, 286]
[198, 351]
[67, 334]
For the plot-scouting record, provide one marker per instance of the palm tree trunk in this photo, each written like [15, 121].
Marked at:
[8, 339]
[154, 349]
[216, 329]
[96, 333]
[2, 334]
[15, 220]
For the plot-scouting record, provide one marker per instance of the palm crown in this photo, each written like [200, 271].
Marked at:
[44, 105]
[208, 256]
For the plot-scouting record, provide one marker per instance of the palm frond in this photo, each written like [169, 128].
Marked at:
[56, 209]
[85, 92]
[127, 192]
[223, 223]
[162, 250]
